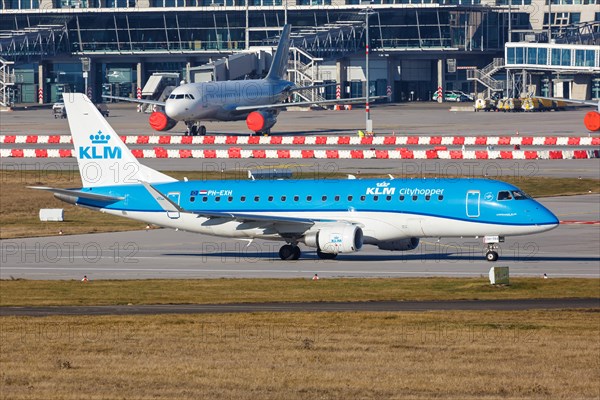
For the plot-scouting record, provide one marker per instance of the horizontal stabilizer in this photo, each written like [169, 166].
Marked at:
[80, 194]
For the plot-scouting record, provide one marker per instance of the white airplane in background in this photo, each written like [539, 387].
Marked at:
[258, 101]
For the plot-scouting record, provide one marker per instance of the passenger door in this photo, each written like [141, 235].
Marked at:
[473, 203]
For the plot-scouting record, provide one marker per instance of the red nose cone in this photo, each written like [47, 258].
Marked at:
[255, 121]
[592, 121]
[158, 121]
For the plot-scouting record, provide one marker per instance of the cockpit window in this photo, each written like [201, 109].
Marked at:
[504, 195]
[172, 96]
[179, 96]
[189, 96]
[518, 195]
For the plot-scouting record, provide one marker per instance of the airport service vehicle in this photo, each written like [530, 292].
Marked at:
[333, 216]
[258, 101]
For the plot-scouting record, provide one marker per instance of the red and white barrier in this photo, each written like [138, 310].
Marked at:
[328, 140]
[400, 154]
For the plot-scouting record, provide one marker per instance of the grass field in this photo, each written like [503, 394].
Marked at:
[446, 355]
[201, 291]
[19, 206]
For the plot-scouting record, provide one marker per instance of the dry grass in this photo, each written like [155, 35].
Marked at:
[449, 355]
[19, 206]
[201, 291]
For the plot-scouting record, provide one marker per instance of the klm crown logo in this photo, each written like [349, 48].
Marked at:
[99, 138]
[99, 152]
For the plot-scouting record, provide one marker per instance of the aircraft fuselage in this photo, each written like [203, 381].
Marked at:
[217, 101]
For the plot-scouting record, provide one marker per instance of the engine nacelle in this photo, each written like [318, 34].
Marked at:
[160, 121]
[399, 245]
[335, 239]
[592, 121]
[260, 121]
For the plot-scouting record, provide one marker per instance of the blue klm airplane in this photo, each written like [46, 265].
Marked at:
[333, 216]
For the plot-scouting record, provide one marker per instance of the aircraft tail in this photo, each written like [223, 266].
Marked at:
[280, 58]
[103, 158]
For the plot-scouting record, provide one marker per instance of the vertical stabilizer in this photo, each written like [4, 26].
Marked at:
[280, 58]
[103, 158]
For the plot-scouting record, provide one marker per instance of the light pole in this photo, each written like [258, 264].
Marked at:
[369, 122]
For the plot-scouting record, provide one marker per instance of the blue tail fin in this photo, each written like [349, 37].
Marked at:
[280, 58]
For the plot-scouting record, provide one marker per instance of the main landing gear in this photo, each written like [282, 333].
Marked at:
[194, 129]
[492, 245]
[289, 252]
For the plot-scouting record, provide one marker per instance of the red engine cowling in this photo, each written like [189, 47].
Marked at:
[160, 121]
[260, 121]
[592, 121]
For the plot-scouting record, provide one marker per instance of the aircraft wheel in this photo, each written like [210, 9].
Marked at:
[202, 130]
[296, 253]
[286, 252]
[326, 256]
[491, 256]
[193, 130]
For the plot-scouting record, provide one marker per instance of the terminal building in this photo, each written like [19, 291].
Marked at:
[478, 47]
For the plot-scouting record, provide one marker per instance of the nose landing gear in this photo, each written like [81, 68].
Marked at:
[492, 245]
[195, 129]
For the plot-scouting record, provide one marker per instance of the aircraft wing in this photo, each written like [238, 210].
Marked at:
[307, 103]
[300, 88]
[78, 193]
[575, 101]
[140, 101]
[169, 206]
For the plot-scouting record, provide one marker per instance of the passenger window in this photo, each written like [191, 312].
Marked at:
[243, 199]
[427, 197]
[217, 198]
[337, 198]
[504, 195]
[204, 199]
[230, 199]
[415, 197]
[441, 197]
[388, 198]
[401, 198]
[362, 198]
[296, 198]
[375, 198]
[256, 198]
[350, 198]
[192, 199]
[283, 198]
[324, 198]
[270, 198]
[308, 198]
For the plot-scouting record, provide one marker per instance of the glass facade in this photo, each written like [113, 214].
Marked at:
[568, 56]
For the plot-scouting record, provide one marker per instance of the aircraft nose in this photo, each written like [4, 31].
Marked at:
[545, 219]
[172, 110]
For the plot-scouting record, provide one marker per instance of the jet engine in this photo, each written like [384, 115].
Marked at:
[160, 121]
[335, 239]
[399, 245]
[592, 121]
[260, 121]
